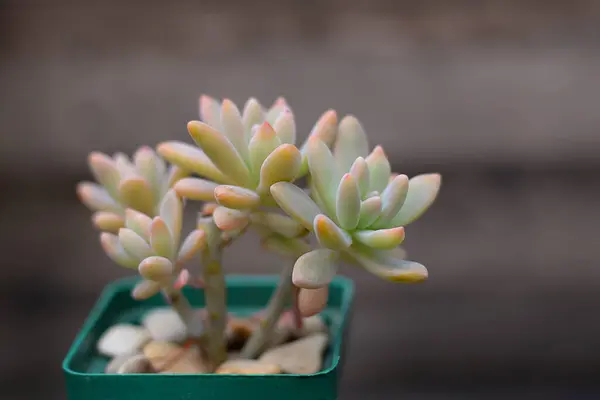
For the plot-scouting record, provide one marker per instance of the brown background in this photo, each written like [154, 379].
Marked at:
[500, 96]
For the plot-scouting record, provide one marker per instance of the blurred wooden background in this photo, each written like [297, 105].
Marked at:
[499, 96]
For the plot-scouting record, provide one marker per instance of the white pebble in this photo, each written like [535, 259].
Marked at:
[123, 339]
[165, 325]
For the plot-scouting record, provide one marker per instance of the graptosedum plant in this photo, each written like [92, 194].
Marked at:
[244, 165]
[357, 209]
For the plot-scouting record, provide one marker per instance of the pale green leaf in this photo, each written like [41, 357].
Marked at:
[112, 247]
[348, 202]
[136, 193]
[134, 244]
[96, 198]
[236, 197]
[285, 246]
[392, 200]
[360, 171]
[252, 115]
[379, 169]
[161, 239]
[196, 189]
[228, 219]
[315, 269]
[124, 166]
[296, 203]
[351, 143]
[323, 173]
[285, 127]
[151, 168]
[263, 142]
[384, 239]
[192, 244]
[370, 209]
[191, 158]
[139, 223]
[156, 268]
[231, 120]
[106, 173]
[383, 264]
[275, 111]
[281, 165]
[108, 221]
[330, 235]
[279, 224]
[210, 111]
[220, 151]
[145, 289]
[171, 211]
[422, 191]
[325, 129]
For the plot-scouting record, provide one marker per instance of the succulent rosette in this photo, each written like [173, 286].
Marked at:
[357, 209]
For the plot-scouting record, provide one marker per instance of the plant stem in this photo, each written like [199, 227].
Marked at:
[261, 337]
[215, 297]
[192, 320]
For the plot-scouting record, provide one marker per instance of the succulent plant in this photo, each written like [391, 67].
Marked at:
[357, 209]
[122, 183]
[152, 246]
[240, 156]
[246, 165]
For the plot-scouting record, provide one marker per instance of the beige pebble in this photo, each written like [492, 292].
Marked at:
[167, 357]
[248, 367]
[137, 364]
[303, 356]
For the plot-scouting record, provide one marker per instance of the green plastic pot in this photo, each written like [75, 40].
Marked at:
[83, 367]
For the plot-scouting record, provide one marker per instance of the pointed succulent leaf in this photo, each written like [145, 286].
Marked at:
[174, 175]
[192, 244]
[124, 166]
[106, 173]
[196, 189]
[285, 246]
[351, 143]
[210, 111]
[280, 224]
[296, 203]
[145, 289]
[112, 247]
[323, 173]
[276, 109]
[156, 268]
[208, 208]
[231, 120]
[325, 130]
[360, 171]
[315, 269]
[220, 151]
[191, 158]
[379, 169]
[330, 235]
[370, 209]
[422, 191]
[384, 239]
[171, 211]
[161, 239]
[138, 222]
[108, 221]
[136, 193]
[236, 197]
[134, 244]
[228, 219]
[348, 202]
[263, 142]
[96, 198]
[282, 165]
[383, 264]
[151, 168]
[253, 114]
[392, 200]
[285, 127]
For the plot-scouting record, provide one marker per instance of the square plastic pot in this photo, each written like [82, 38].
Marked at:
[84, 368]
